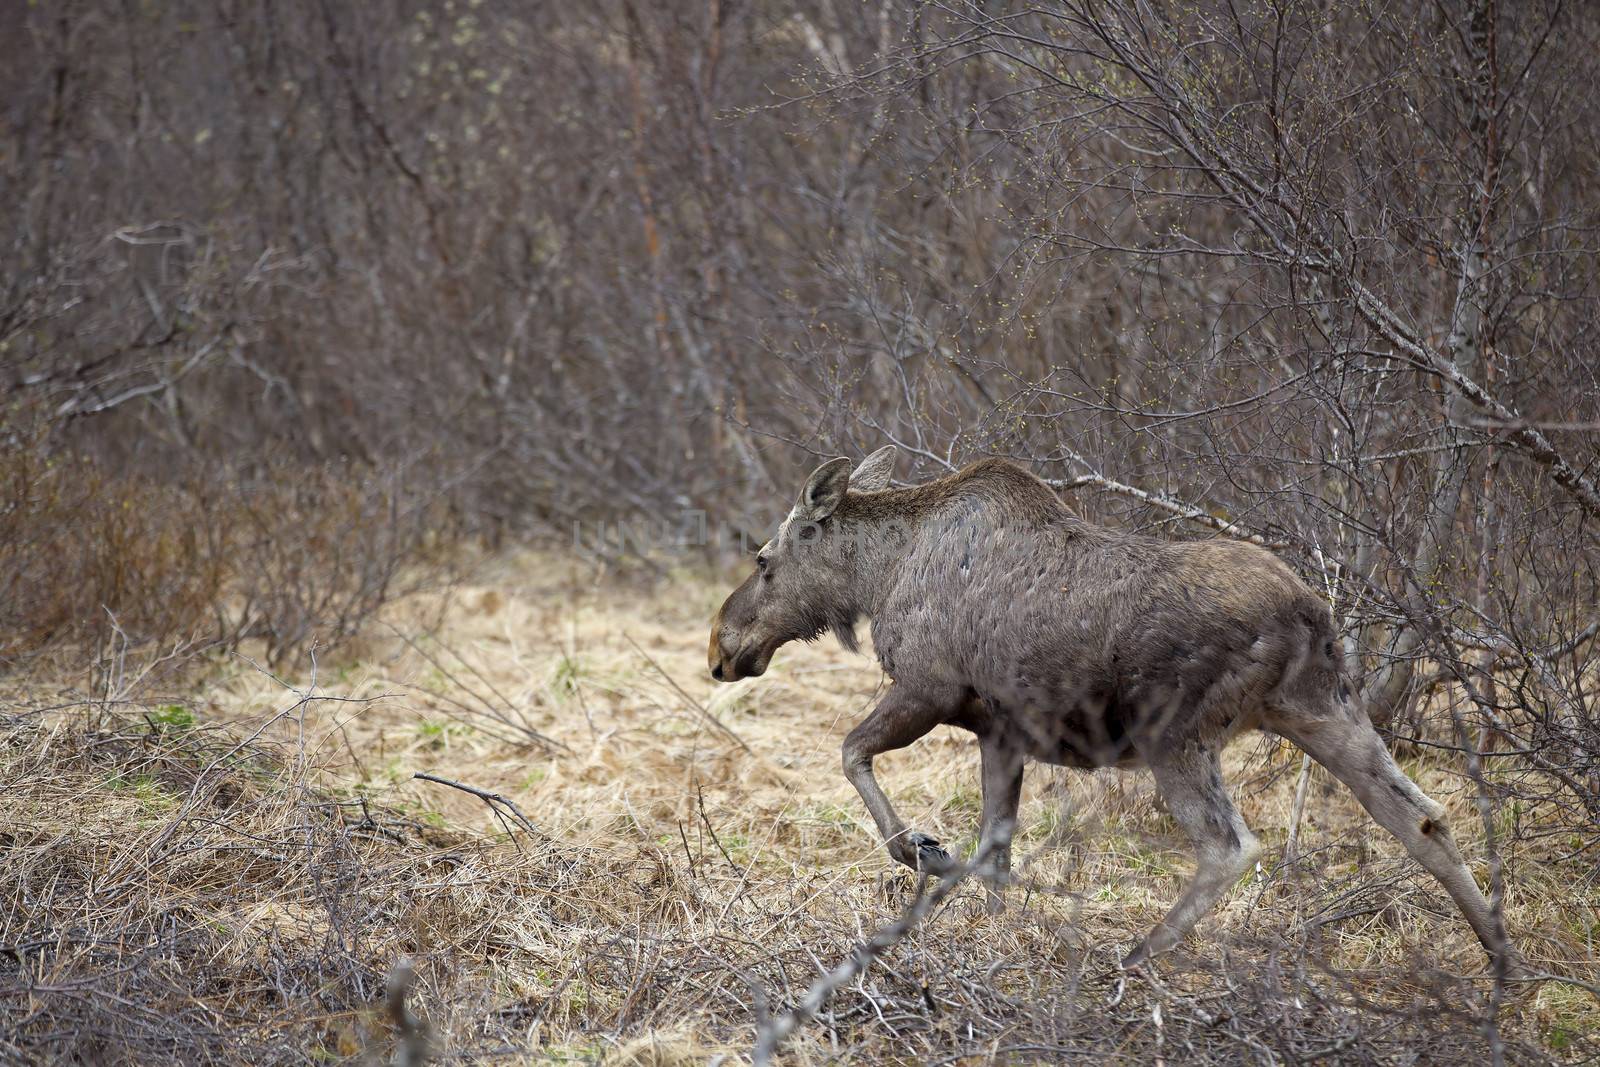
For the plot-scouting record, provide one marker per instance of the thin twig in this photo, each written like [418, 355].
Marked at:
[487, 797]
[718, 723]
[1291, 847]
[493, 712]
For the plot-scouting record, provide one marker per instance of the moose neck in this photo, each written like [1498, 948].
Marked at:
[874, 532]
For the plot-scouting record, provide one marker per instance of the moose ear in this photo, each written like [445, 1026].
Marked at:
[823, 491]
[874, 472]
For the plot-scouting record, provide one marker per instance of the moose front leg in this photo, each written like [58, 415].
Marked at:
[900, 718]
[1002, 793]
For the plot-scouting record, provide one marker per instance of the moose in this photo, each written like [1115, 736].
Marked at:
[996, 609]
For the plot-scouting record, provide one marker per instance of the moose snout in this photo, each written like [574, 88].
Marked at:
[736, 649]
[731, 663]
[714, 646]
[726, 663]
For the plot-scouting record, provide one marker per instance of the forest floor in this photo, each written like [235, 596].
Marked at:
[229, 873]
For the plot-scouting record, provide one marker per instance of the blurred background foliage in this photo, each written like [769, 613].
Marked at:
[297, 294]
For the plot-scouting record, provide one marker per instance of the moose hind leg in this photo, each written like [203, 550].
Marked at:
[1191, 783]
[1345, 742]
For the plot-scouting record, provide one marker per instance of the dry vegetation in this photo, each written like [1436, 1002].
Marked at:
[304, 303]
[228, 874]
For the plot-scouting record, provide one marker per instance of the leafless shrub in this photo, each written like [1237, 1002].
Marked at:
[81, 551]
[297, 556]
[315, 553]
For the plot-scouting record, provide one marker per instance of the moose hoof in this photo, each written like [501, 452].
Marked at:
[1136, 959]
[926, 854]
[1517, 969]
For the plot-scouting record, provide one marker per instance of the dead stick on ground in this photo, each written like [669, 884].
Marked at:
[484, 795]
[681, 692]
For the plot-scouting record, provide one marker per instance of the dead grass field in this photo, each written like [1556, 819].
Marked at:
[227, 874]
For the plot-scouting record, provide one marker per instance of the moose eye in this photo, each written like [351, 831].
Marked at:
[761, 565]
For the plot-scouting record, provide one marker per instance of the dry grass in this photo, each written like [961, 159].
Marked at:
[176, 890]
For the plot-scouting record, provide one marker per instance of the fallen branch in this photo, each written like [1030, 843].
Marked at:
[494, 800]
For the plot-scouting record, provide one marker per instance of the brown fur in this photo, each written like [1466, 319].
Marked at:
[996, 609]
